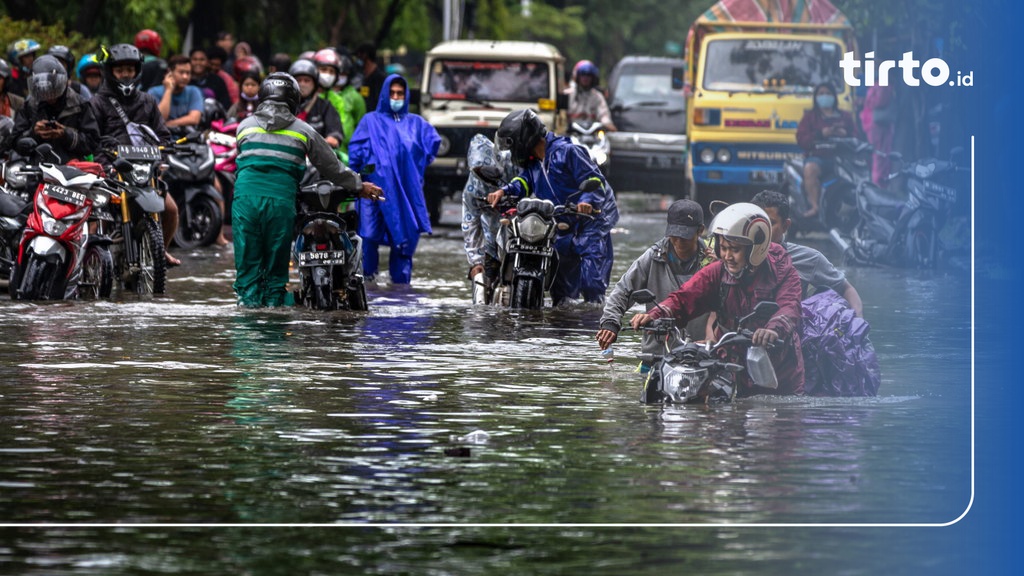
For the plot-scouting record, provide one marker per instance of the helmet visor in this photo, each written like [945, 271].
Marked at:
[503, 143]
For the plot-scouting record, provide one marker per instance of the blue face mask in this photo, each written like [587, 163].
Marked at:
[825, 100]
[397, 105]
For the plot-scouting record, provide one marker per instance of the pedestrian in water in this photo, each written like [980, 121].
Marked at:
[400, 145]
[273, 146]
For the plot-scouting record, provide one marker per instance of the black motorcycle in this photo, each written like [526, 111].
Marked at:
[700, 372]
[138, 239]
[328, 251]
[190, 181]
[837, 204]
[903, 232]
[526, 243]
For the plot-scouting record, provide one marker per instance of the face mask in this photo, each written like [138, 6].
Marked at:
[397, 105]
[342, 80]
[825, 100]
[327, 80]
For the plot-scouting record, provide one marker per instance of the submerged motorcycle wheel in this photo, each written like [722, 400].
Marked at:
[97, 274]
[151, 277]
[42, 279]
[357, 298]
[200, 224]
[527, 294]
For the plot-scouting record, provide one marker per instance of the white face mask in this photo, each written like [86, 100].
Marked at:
[327, 80]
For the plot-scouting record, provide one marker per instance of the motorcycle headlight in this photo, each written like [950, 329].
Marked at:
[707, 155]
[140, 174]
[683, 383]
[52, 226]
[533, 229]
[924, 170]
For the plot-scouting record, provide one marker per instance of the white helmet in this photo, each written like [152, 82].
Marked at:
[745, 224]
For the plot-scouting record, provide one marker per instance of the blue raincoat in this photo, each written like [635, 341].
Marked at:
[400, 145]
[585, 249]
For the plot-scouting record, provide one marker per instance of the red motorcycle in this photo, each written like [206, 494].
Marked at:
[57, 256]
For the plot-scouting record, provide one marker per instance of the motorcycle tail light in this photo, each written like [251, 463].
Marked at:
[321, 246]
[533, 229]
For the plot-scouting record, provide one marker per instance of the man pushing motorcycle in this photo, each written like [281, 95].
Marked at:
[553, 168]
[750, 269]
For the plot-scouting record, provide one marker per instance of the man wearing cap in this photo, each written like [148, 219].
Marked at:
[662, 269]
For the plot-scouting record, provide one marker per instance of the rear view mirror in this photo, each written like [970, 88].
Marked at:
[368, 169]
[490, 174]
[589, 185]
[677, 78]
[766, 309]
[642, 296]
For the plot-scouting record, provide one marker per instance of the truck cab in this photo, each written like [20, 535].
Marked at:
[748, 88]
[469, 86]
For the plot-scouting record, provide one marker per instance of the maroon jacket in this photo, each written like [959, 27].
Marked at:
[713, 288]
[808, 132]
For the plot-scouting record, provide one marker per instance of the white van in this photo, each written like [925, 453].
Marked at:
[469, 86]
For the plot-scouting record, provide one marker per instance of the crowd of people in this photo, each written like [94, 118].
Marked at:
[341, 111]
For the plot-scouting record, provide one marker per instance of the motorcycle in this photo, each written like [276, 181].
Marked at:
[19, 178]
[328, 251]
[837, 204]
[190, 177]
[57, 256]
[591, 135]
[526, 244]
[138, 242]
[700, 372]
[901, 232]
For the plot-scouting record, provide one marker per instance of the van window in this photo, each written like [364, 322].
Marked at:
[490, 80]
[771, 65]
[648, 83]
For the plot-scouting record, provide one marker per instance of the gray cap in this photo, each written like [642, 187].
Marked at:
[685, 217]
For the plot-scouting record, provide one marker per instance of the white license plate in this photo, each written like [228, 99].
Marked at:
[660, 161]
[764, 177]
[322, 258]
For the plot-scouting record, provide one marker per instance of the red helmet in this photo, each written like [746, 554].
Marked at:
[247, 64]
[149, 41]
[328, 57]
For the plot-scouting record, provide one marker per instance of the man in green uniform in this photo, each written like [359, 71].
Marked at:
[273, 146]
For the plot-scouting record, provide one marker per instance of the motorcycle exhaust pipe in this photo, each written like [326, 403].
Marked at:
[838, 240]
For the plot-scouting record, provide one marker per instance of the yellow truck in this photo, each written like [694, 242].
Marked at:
[748, 84]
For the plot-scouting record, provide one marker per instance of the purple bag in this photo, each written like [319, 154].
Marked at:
[839, 359]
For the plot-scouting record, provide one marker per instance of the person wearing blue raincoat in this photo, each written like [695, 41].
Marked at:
[400, 145]
[553, 168]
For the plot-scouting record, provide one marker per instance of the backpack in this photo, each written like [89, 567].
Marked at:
[839, 359]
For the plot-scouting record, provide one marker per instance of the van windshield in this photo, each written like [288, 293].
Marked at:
[648, 82]
[489, 80]
[772, 65]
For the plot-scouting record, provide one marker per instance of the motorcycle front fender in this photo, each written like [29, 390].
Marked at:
[149, 200]
[46, 246]
[206, 190]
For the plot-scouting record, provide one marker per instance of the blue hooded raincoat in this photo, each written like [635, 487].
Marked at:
[400, 145]
[585, 249]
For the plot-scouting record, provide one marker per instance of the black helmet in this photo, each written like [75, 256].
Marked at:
[518, 133]
[65, 55]
[49, 79]
[304, 67]
[281, 87]
[118, 55]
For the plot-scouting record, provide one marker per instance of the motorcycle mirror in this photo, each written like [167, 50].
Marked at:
[762, 311]
[46, 153]
[122, 165]
[24, 146]
[489, 174]
[589, 185]
[642, 296]
[368, 169]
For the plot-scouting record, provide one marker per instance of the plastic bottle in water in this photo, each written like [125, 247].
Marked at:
[608, 354]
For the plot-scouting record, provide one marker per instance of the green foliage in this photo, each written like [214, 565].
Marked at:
[47, 35]
[411, 29]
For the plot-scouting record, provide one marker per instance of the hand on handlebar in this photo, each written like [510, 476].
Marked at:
[640, 320]
[494, 197]
[764, 337]
[584, 208]
[371, 191]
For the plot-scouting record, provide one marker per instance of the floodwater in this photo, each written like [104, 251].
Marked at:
[187, 410]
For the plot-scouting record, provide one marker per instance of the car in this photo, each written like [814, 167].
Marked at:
[648, 152]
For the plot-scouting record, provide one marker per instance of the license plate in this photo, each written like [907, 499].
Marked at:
[942, 192]
[764, 177]
[524, 248]
[322, 258]
[64, 195]
[146, 153]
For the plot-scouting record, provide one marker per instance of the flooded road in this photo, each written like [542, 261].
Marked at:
[186, 409]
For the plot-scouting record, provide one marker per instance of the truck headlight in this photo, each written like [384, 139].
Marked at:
[707, 155]
[445, 146]
[724, 155]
